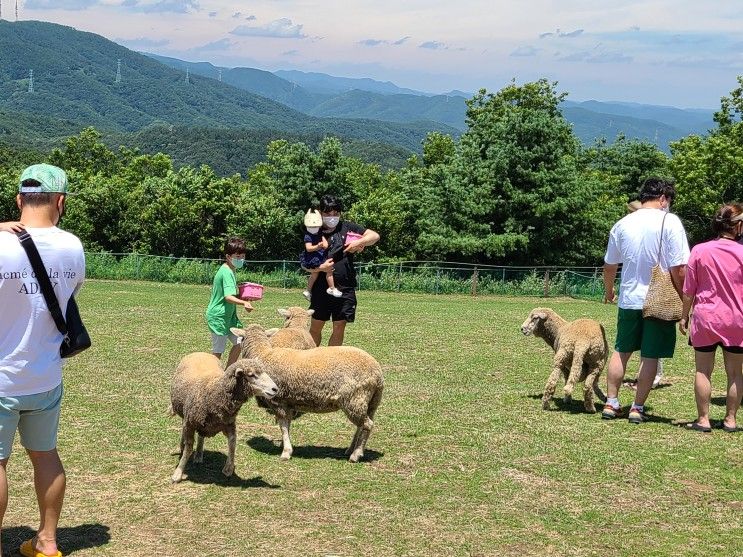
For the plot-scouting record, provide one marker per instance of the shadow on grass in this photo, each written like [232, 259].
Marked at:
[266, 446]
[576, 407]
[632, 384]
[719, 400]
[210, 472]
[69, 538]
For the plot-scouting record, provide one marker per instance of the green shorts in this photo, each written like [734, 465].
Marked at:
[652, 337]
[36, 417]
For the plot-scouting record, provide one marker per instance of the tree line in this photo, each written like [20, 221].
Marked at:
[516, 188]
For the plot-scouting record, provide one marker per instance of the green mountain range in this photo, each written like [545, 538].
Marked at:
[330, 96]
[75, 80]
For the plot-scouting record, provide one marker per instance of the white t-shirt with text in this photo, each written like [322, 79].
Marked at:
[29, 340]
[634, 242]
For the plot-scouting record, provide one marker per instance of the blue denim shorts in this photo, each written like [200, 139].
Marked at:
[36, 417]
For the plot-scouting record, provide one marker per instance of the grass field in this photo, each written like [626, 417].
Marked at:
[462, 461]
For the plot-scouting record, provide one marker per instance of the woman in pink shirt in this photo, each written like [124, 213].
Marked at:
[714, 286]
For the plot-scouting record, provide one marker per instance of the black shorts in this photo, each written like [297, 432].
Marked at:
[713, 347]
[327, 306]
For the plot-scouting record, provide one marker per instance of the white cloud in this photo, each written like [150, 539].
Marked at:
[280, 28]
[525, 51]
[59, 4]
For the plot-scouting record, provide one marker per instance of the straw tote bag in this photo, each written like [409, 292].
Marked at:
[662, 301]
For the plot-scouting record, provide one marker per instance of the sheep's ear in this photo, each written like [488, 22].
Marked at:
[310, 312]
[283, 312]
[540, 315]
[237, 332]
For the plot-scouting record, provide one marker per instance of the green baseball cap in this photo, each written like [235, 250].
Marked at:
[43, 178]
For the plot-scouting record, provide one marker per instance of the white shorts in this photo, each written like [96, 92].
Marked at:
[219, 342]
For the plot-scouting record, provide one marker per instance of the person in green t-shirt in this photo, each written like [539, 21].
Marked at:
[221, 314]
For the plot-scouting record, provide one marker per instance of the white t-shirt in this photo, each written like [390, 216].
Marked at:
[634, 242]
[29, 340]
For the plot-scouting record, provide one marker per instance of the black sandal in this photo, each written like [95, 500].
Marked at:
[695, 426]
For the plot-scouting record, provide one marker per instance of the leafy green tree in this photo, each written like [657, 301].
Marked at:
[630, 160]
[709, 170]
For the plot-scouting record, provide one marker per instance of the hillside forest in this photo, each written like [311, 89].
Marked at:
[517, 187]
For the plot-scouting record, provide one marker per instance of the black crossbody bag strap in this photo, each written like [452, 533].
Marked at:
[44, 283]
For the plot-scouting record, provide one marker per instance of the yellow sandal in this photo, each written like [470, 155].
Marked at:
[28, 550]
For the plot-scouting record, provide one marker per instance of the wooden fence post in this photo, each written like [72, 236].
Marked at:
[475, 276]
[546, 284]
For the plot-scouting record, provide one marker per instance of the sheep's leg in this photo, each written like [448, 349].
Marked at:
[364, 432]
[597, 388]
[229, 466]
[549, 388]
[284, 424]
[589, 387]
[198, 456]
[575, 371]
[187, 443]
[354, 441]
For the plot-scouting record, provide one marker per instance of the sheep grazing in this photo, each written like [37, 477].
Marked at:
[580, 353]
[295, 332]
[318, 380]
[208, 399]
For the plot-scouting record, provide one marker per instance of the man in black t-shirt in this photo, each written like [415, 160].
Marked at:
[342, 310]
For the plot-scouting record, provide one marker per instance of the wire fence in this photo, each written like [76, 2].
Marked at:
[433, 277]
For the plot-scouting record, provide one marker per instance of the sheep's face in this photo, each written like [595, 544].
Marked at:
[536, 317]
[257, 381]
[295, 315]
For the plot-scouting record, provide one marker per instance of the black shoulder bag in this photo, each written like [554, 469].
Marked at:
[76, 338]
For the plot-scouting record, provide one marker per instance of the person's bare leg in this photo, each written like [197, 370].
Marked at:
[330, 279]
[234, 355]
[316, 327]
[734, 371]
[705, 362]
[311, 281]
[645, 377]
[3, 495]
[615, 373]
[49, 482]
[339, 330]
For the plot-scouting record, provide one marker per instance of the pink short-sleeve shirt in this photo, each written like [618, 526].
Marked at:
[714, 279]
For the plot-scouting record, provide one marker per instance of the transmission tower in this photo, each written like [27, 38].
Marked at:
[118, 70]
[1, 9]
[30, 81]
[187, 75]
[16, 10]
[220, 75]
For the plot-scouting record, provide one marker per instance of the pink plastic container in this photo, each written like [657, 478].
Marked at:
[352, 237]
[249, 291]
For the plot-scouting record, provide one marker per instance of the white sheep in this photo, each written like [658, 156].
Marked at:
[324, 379]
[208, 399]
[580, 349]
[295, 332]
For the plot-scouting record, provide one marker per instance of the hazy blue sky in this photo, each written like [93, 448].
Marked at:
[677, 52]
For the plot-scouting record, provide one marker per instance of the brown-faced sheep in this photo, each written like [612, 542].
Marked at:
[295, 332]
[324, 379]
[208, 399]
[580, 353]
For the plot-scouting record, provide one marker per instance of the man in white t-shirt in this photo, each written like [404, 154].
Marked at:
[634, 242]
[30, 364]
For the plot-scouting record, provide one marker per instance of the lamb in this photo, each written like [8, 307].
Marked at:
[324, 379]
[295, 332]
[208, 399]
[580, 349]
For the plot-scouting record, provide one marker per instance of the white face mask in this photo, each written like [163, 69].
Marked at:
[330, 222]
[313, 229]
